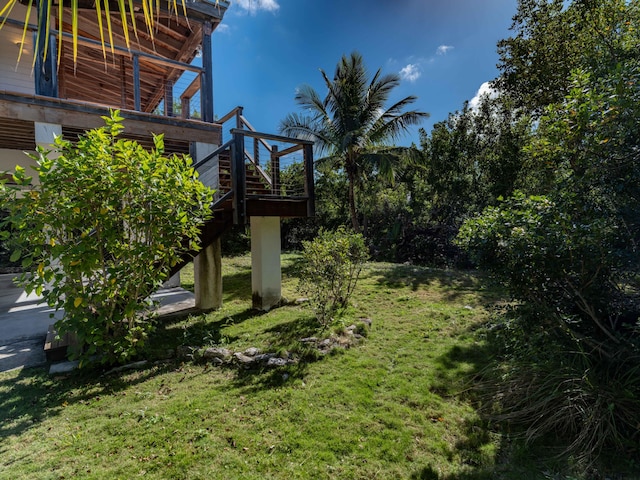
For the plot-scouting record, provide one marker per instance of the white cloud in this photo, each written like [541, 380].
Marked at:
[222, 28]
[485, 89]
[253, 6]
[443, 49]
[411, 72]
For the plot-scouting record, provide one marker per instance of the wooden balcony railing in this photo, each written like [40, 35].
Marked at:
[255, 160]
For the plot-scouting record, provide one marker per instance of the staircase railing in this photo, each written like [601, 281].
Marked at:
[245, 150]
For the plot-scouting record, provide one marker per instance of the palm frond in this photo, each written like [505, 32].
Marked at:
[307, 128]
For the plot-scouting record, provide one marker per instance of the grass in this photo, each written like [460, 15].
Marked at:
[391, 407]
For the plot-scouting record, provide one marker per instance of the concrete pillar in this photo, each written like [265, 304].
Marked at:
[207, 266]
[266, 278]
[207, 273]
[210, 171]
[45, 133]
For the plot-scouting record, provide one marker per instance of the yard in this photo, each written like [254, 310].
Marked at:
[397, 405]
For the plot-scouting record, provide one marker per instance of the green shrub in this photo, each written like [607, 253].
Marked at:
[101, 231]
[580, 401]
[332, 265]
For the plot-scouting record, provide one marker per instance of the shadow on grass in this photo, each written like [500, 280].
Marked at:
[284, 339]
[172, 332]
[455, 282]
[486, 449]
[34, 395]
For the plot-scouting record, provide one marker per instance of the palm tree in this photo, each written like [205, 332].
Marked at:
[352, 124]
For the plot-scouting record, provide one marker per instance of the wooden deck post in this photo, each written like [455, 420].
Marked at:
[206, 92]
[46, 72]
[309, 186]
[238, 179]
[136, 82]
[275, 170]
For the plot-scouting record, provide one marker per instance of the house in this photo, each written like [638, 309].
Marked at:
[162, 84]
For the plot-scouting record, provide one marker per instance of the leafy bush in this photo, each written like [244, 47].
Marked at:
[576, 399]
[332, 265]
[569, 258]
[101, 231]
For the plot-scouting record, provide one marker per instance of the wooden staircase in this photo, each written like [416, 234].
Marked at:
[245, 189]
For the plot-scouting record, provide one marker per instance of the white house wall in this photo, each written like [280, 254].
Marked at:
[10, 158]
[17, 77]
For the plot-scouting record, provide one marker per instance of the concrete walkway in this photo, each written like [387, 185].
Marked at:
[24, 320]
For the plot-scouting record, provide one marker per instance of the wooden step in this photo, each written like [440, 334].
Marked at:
[55, 347]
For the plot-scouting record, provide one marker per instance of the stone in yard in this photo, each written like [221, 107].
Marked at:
[366, 321]
[63, 367]
[219, 353]
[264, 357]
[252, 351]
[243, 359]
[277, 362]
[309, 340]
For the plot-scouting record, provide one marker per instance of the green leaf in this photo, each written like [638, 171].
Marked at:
[15, 256]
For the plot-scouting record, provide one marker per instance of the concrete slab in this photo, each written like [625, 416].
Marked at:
[24, 320]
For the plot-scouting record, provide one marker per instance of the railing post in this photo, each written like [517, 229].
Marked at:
[309, 187]
[168, 98]
[239, 118]
[238, 181]
[123, 84]
[185, 107]
[46, 76]
[206, 84]
[256, 151]
[275, 170]
[136, 82]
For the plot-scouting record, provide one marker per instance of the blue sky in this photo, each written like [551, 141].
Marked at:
[443, 49]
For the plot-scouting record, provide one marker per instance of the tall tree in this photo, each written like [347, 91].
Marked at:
[554, 37]
[352, 124]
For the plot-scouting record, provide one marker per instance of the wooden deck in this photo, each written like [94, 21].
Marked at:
[73, 114]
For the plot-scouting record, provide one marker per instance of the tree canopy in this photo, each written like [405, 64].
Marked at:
[353, 124]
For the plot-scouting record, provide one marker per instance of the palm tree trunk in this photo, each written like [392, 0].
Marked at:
[352, 200]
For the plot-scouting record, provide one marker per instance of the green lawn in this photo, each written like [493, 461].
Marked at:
[393, 406]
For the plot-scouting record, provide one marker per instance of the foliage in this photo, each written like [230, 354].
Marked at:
[386, 408]
[473, 158]
[353, 125]
[570, 258]
[101, 231]
[547, 390]
[332, 264]
[554, 37]
[561, 263]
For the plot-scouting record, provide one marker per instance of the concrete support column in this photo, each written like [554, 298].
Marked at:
[210, 171]
[207, 265]
[207, 272]
[46, 132]
[266, 275]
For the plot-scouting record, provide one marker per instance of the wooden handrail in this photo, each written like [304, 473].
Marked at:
[250, 127]
[270, 136]
[216, 152]
[229, 115]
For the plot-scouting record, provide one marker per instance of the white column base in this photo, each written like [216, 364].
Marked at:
[266, 274]
[207, 273]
